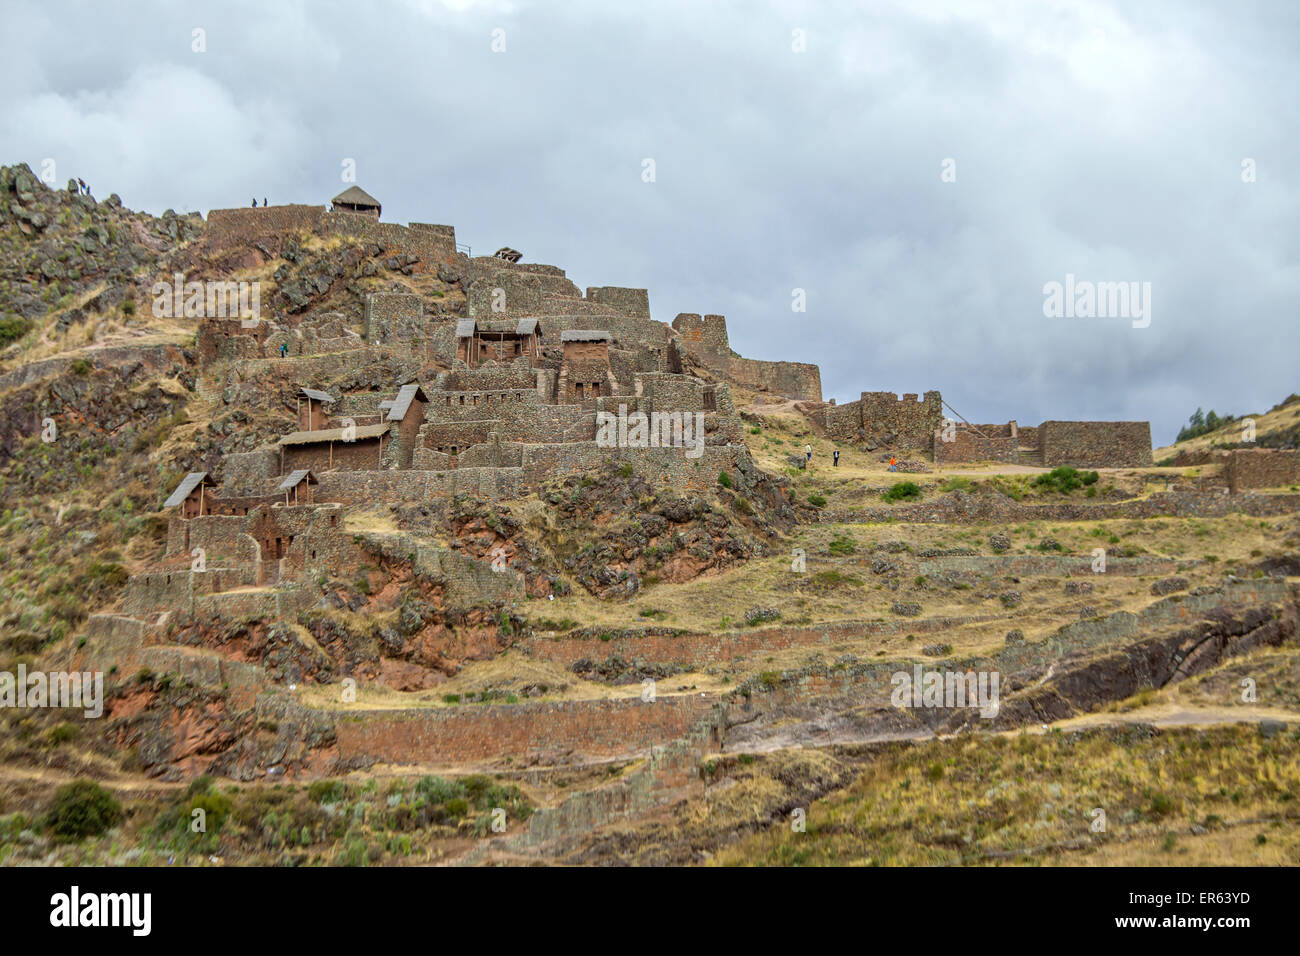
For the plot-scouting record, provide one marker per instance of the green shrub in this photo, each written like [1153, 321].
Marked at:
[724, 479]
[80, 809]
[1065, 479]
[842, 544]
[957, 483]
[12, 328]
[80, 367]
[817, 501]
[903, 491]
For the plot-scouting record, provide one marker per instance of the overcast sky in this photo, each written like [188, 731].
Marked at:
[795, 146]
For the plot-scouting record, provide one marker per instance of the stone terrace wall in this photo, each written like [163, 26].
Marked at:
[633, 302]
[380, 487]
[521, 297]
[474, 734]
[228, 228]
[800, 380]
[395, 317]
[705, 340]
[1095, 444]
[666, 465]
[431, 243]
[1261, 468]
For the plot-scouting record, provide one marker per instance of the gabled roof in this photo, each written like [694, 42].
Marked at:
[187, 485]
[317, 395]
[356, 196]
[405, 395]
[333, 434]
[585, 335]
[295, 477]
[527, 327]
[465, 328]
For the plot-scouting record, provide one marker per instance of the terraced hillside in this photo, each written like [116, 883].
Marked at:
[604, 661]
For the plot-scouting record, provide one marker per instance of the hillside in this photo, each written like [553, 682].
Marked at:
[389, 573]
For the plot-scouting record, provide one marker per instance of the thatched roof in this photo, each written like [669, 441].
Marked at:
[333, 434]
[356, 196]
[405, 395]
[295, 477]
[187, 485]
[585, 335]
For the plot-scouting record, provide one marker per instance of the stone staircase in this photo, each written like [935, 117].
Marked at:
[1031, 456]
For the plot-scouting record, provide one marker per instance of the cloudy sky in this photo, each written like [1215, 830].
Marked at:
[920, 169]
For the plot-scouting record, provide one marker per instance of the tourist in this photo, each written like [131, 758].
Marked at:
[807, 450]
[836, 458]
[284, 349]
[254, 202]
[893, 463]
[263, 202]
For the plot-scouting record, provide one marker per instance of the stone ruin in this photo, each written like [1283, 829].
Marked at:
[497, 397]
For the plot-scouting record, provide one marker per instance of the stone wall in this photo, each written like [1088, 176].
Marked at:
[520, 297]
[883, 420]
[1095, 444]
[632, 302]
[474, 734]
[379, 487]
[432, 244]
[968, 445]
[668, 466]
[1261, 468]
[231, 228]
[705, 340]
[395, 317]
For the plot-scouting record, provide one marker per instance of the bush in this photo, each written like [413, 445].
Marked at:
[82, 808]
[817, 501]
[842, 544]
[1065, 479]
[80, 367]
[903, 491]
[957, 483]
[724, 479]
[12, 328]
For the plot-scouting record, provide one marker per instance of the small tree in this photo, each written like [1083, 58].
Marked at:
[82, 808]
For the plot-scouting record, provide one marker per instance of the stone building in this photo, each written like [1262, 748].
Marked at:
[479, 341]
[585, 373]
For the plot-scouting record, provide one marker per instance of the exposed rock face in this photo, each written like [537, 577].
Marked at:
[67, 244]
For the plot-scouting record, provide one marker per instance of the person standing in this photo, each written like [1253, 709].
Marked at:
[893, 463]
[807, 450]
[835, 459]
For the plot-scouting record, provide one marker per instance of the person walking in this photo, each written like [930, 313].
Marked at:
[264, 202]
[807, 450]
[836, 458]
[893, 463]
[284, 349]
[254, 202]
